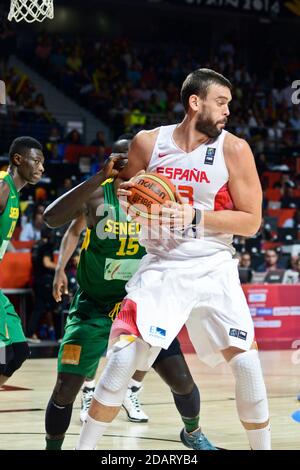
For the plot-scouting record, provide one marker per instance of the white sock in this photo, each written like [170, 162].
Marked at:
[260, 439]
[89, 383]
[134, 383]
[90, 434]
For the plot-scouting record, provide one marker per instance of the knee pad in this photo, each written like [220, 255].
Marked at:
[121, 365]
[251, 395]
[21, 352]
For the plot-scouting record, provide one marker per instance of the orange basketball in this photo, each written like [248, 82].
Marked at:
[150, 192]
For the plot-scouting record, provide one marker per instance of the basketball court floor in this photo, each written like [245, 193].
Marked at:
[22, 408]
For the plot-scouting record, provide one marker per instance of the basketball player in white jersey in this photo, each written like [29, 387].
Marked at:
[192, 279]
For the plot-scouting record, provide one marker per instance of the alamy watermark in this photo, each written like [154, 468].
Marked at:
[296, 94]
[153, 221]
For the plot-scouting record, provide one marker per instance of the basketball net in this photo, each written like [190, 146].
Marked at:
[31, 10]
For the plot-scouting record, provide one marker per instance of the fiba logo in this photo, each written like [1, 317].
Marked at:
[296, 354]
[296, 94]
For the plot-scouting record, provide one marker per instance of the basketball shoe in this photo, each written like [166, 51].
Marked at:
[196, 440]
[132, 406]
[86, 399]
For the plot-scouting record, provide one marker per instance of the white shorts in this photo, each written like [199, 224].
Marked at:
[203, 293]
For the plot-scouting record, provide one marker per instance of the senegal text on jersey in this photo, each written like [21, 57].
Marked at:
[122, 228]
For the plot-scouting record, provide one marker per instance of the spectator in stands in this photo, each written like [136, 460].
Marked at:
[43, 50]
[287, 181]
[32, 230]
[288, 199]
[39, 105]
[274, 134]
[40, 194]
[74, 61]
[39, 208]
[74, 138]
[31, 209]
[295, 123]
[245, 260]
[7, 41]
[271, 262]
[100, 139]
[98, 160]
[43, 268]
[295, 118]
[58, 57]
[135, 120]
[245, 265]
[54, 136]
[67, 185]
[261, 163]
[294, 263]
[298, 271]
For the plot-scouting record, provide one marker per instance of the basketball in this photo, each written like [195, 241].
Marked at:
[150, 192]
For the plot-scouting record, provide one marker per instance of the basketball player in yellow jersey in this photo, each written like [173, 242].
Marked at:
[26, 162]
[192, 278]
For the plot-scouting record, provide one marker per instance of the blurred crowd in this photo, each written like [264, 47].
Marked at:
[131, 85]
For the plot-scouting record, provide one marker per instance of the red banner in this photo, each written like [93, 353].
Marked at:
[275, 309]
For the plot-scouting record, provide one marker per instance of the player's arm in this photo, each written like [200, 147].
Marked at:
[139, 156]
[67, 247]
[246, 194]
[72, 204]
[245, 190]
[4, 193]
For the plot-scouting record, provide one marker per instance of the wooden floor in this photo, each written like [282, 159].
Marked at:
[22, 411]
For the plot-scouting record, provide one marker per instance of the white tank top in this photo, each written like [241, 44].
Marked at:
[201, 179]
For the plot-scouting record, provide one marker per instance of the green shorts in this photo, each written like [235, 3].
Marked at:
[86, 335]
[11, 330]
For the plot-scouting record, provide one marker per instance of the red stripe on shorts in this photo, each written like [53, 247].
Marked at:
[125, 323]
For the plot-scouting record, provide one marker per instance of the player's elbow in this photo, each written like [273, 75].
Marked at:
[252, 227]
[250, 233]
[246, 232]
[51, 217]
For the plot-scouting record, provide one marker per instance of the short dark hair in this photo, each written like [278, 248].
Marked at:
[121, 146]
[198, 82]
[22, 144]
[126, 136]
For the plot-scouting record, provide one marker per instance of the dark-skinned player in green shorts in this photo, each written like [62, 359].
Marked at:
[26, 162]
[109, 257]
[131, 403]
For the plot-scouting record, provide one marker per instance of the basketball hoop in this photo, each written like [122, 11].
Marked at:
[31, 10]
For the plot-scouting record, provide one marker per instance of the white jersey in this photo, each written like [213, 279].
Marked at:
[201, 179]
